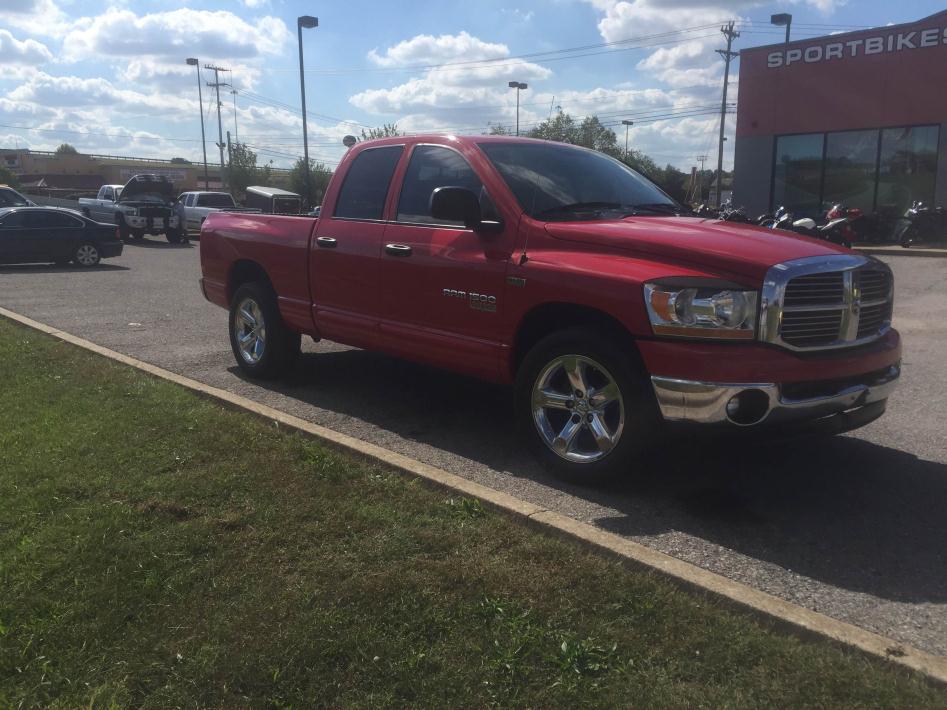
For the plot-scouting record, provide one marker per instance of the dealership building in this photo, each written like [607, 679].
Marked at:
[857, 118]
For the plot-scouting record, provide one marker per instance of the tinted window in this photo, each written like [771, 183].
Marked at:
[50, 220]
[798, 172]
[549, 179]
[214, 199]
[430, 167]
[13, 220]
[11, 198]
[850, 169]
[366, 184]
[190, 200]
[907, 167]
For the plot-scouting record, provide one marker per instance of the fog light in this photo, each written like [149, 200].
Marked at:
[748, 407]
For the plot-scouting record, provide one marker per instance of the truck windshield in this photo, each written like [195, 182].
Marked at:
[558, 182]
[215, 199]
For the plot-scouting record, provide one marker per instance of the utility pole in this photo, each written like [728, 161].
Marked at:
[236, 131]
[727, 55]
[220, 125]
[627, 124]
[305, 22]
[194, 62]
[700, 177]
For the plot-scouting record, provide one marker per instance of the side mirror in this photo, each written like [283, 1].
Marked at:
[456, 204]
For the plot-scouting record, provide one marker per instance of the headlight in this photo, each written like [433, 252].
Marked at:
[696, 308]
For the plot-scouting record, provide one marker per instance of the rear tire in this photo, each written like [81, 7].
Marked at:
[599, 435]
[87, 255]
[262, 344]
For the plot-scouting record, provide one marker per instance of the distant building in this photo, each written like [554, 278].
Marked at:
[855, 118]
[73, 175]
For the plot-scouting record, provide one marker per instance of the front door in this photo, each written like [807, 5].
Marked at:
[344, 253]
[12, 237]
[442, 285]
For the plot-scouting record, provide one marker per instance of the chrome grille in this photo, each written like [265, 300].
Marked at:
[826, 302]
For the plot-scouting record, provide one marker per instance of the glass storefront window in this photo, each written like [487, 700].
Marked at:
[798, 172]
[907, 167]
[850, 169]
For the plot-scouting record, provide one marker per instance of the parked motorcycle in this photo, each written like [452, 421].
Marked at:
[922, 224]
[836, 231]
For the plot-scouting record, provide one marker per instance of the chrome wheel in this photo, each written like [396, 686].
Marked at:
[87, 255]
[578, 409]
[249, 330]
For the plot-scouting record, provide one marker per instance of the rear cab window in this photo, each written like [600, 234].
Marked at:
[365, 187]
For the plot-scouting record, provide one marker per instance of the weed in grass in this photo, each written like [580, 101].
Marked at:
[467, 507]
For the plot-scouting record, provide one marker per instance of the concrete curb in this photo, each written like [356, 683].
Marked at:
[792, 616]
[901, 251]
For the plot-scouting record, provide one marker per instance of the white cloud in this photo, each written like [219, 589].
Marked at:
[427, 49]
[36, 17]
[255, 3]
[177, 33]
[445, 95]
[14, 51]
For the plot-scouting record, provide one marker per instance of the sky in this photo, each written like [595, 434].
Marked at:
[111, 77]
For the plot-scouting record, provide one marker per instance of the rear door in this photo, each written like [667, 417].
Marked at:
[343, 260]
[442, 284]
[12, 237]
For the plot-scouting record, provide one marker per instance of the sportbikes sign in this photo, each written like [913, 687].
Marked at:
[880, 44]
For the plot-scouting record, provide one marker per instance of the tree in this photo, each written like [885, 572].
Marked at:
[388, 130]
[243, 170]
[8, 177]
[560, 128]
[181, 161]
[66, 149]
[319, 176]
[498, 129]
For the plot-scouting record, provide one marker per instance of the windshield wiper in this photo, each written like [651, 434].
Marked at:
[578, 207]
[665, 208]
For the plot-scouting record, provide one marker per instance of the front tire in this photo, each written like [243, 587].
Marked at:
[175, 236]
[87, 255]
[585, 405]
[262, 344]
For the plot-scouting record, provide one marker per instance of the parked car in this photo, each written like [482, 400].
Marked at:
[563, 272]
[50, 234]
[193, 207]
[144, 205]
[273, 200]
[11, 198]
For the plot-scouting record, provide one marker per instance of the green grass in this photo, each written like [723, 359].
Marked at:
[157, 550]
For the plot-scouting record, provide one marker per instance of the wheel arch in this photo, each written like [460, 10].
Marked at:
[548, 318]
[245, 271]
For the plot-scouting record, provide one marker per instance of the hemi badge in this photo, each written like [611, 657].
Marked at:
[515, 281]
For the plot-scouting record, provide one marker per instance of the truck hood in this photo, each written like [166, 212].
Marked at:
[148, 187]
[741, 249]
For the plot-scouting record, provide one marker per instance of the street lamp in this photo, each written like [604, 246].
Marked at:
[192, 61]
[309, 22]
[627, 125]
[518, 85]
[781, 19]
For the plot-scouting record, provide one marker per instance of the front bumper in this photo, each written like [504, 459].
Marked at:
[757, 403]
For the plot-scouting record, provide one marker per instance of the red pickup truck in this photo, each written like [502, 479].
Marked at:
[566, 274]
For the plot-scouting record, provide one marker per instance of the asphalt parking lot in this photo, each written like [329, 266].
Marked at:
[853, 527]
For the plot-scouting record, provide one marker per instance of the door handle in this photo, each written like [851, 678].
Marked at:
[326, 242]
[398, 249]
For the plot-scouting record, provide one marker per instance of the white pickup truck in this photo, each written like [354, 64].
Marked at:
[192, 208]
[144, 205]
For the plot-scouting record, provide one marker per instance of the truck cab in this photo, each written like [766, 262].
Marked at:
[616, 316]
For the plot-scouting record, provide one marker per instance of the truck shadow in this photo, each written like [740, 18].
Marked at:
[157, 243]
[843, 510]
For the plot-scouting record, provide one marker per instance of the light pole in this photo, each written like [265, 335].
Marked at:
[192, 61]
[627, 125]
[519, 86]
[783, 18]
[309, 22]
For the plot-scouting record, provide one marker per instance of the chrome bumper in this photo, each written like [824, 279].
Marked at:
[706, 402]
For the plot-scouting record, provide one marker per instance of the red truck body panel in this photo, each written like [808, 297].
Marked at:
[356, 292]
